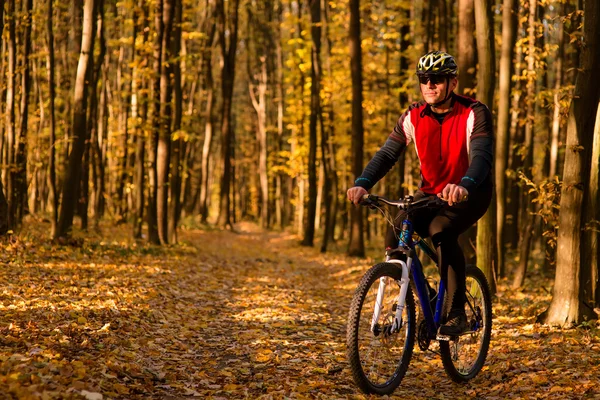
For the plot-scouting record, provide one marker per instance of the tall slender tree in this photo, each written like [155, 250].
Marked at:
[315, 112]
[71, 180]
[208, 85]
[9, 111]
[3, 203]
[486, 78]
[509, 24]
[528, 206]
[466, 46]
[19, 173]
[50, 67]
[152, 215]
[356, 247]
[568, 305]
[178, 148]
[228, 29]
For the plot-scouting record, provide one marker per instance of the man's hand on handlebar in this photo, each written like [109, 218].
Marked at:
[356, 193]
[453, 194]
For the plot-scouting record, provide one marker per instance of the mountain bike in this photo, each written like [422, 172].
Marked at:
[382, 324]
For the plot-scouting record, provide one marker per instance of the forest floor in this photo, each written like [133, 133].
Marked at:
[246, 315]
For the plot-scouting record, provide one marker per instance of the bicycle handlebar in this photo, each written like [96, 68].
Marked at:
[405, 204]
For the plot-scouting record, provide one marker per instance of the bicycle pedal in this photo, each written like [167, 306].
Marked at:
[443, 338]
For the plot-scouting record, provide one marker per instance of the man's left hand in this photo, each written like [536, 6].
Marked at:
[453, 194]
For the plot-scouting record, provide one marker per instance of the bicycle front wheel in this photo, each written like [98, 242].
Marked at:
[463, 356]
[379, 348]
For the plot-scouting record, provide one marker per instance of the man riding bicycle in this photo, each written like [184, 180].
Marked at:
[453, 138]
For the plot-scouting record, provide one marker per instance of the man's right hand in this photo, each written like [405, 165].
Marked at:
[356, 193]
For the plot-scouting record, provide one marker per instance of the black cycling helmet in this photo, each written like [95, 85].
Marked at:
[437, 63]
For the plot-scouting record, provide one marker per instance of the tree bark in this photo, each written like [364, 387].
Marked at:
[591, 217]
[163, 155]
[259, 102]
[10, 112]
[527, 206]
[356, 246]
[179, 144]
[280, 100]
[19, 173]
[124, 89]
[152, 215]
[92, 120]
[315, 111]
[328, 148]
[486, 78]
[70, 189]
[466, 47]
[228, 51]
[3, 202]
[100, 145]
[142, 15]
[50, 67]
[558, 81]
[512, 231]
[509, 25]
[568, 297]
[208, 84]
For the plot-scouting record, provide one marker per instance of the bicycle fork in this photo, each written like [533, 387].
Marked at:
[404, 281]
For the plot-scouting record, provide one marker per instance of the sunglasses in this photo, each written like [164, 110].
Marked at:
[435, 79]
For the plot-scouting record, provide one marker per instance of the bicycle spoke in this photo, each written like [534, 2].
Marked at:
[381, 352]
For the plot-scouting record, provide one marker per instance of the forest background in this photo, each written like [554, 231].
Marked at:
[169, 113]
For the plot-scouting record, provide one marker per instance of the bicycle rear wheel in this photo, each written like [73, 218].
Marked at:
[464, 356]
[379, 357]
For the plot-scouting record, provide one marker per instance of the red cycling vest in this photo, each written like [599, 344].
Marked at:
[442, 149]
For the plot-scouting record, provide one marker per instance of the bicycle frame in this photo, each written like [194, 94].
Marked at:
[413, 267]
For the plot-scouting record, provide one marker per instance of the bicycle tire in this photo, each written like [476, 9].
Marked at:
[450, 351]
[359, 335]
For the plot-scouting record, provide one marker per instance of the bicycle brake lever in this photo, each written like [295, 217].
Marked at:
[369, 200]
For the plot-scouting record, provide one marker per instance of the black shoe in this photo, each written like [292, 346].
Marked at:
[456, 324]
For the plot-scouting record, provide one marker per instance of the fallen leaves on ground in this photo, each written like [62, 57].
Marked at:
[245, 315]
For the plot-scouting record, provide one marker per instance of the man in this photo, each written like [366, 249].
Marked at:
[453, 138]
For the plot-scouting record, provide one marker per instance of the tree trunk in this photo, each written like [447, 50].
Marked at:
[179, 144]
[509, 24]
[152, 215]
[20, 172]
[315, 111]
[70, 190]
[10, 113]
[558, 81]
[92, 120]
[228, 51]
[512, 233]
[356, 247]
[260, 107]
[100, 146]
[568, 298]
[3, 203]
[328, 148]
[527, 206]
[466, 47]
[139, 128]
[125, 91]
[50, 67]
[486, 78]
[208, 118]
[163, 155]
[591, 218]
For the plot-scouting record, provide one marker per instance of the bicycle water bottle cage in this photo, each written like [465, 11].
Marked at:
[405, 240]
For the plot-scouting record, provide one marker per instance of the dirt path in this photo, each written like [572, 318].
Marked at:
[234, 316]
